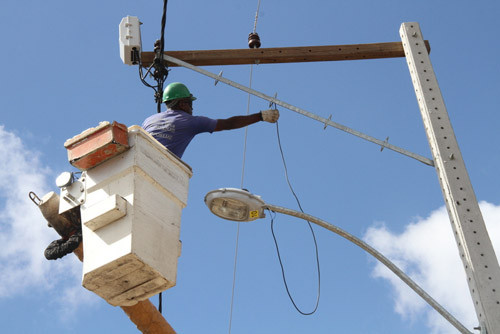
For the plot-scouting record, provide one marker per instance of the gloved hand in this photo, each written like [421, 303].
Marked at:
[270, 115]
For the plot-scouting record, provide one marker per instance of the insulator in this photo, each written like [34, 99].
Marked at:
[253, 40]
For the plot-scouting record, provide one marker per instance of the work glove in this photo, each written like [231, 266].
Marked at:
[270, 115]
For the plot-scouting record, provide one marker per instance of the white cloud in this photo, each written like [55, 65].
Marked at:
[24, 234]
[427, 252]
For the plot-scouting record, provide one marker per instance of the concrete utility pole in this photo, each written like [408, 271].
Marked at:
[476, 251]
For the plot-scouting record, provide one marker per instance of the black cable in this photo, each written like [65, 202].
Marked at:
[161, 70]
[143, 76]
[159, 302]
[163, 22]
[158, 69]
[312, 232]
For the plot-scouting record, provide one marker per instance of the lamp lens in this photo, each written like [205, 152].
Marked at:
[229, 209]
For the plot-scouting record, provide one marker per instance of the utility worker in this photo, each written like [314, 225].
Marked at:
[176, 127]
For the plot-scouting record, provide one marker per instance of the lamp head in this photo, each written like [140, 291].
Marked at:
[235, 204]
[65, 179]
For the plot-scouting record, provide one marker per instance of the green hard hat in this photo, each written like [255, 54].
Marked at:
[177, 90]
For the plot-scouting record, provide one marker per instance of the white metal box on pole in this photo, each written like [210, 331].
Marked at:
[130, 40]
[131, 221]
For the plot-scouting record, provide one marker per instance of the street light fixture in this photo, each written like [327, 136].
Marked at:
[241, 205]
[235, 204]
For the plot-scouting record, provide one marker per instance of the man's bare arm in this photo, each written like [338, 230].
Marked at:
[237, 122]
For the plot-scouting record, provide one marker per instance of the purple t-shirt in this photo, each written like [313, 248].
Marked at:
[175, 129]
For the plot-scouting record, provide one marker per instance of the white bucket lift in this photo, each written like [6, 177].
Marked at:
[131, 214]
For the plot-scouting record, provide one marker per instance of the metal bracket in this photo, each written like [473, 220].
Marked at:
[481, 329]
[73, 194]
[218, 78]
[385, 142]
[303, 112]
[326, 123]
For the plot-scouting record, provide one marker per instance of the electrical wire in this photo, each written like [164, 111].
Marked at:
[160, 75]
[238, 229]
[246, 130]
[161, 70]
[256, 17]
[242, 179]
[161, 80]
[160, 299]
[312, 233]
[158, 69]
[163, 23]
[159, 90]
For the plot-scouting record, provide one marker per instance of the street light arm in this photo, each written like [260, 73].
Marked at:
[405, 278]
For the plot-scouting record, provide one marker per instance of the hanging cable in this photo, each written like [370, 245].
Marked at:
[312, 233]
[160, 300]
[160, 74]
[158, 69]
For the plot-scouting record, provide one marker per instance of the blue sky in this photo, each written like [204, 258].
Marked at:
[62, 74]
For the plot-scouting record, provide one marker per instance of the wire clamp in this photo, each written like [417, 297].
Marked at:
[218, 78]
[326, 122]
[385, 142]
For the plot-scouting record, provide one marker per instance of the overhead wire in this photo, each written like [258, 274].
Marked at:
[159, 74]
[242, 179]
[161, 71]
[158, 68]
[238, 224]
[256, 17]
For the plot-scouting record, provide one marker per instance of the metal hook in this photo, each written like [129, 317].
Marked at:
[34, 197]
